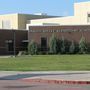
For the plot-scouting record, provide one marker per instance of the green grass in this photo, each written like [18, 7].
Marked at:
[46, 62]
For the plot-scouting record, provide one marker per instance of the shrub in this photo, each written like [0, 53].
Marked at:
[32, 48]
[53, 44]
[72, 48]
[82, 46]
[59, 46]
[62, 46]
[67, 46]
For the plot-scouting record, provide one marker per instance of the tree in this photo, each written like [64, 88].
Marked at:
[82, 46]
[63, 46]
[67, 44]
[72, 48]
[32, 48]
[53, 44]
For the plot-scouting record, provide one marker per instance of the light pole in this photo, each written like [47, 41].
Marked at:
[14, 43]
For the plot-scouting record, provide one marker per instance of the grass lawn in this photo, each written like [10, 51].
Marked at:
[46, 62]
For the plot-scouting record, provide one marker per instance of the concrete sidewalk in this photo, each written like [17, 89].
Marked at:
[70, 77]
[49, 76]
[84, 76]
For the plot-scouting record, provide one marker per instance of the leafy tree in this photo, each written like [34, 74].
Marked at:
[72, 48]
[53, 44]
[32, 48]
[82, 46]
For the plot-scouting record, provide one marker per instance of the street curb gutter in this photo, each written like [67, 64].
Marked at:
[56, 81]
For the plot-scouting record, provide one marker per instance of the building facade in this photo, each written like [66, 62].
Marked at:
[12, 39]
[18, 21]
[42, 34]
[13, 32]
[19, 29]
[72, 28]
[81, 17]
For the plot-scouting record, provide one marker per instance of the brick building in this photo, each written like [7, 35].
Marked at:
[7, 38]
[42, 34]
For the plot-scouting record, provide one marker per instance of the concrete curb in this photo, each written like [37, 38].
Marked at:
[56, 81]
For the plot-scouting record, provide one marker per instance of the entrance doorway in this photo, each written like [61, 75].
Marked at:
[9, 46]
[43, 44]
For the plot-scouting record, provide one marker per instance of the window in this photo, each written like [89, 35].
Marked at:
[9, 45]
[88, 18]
